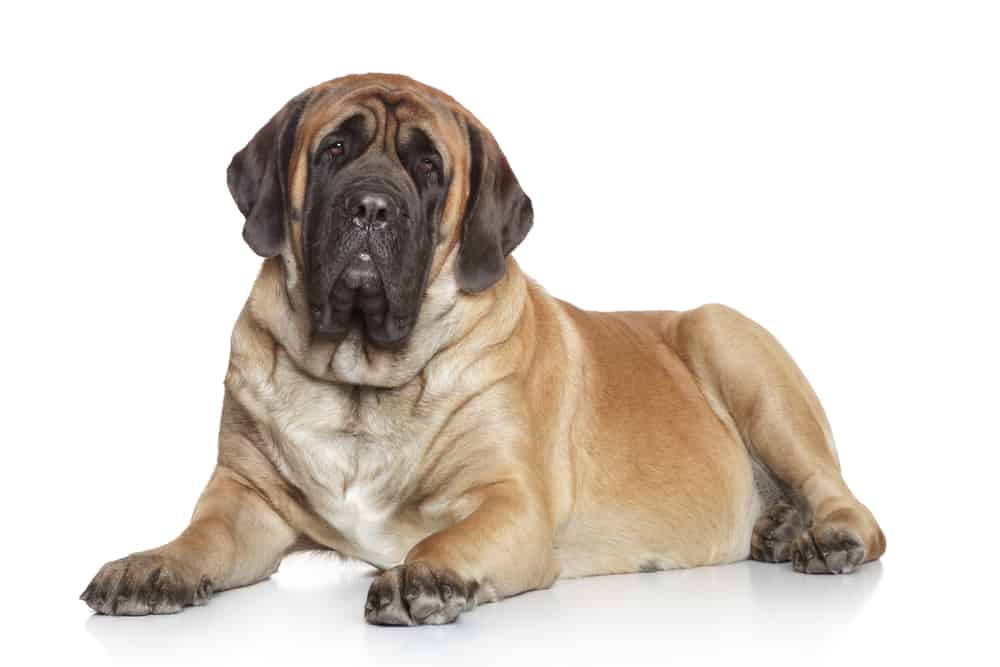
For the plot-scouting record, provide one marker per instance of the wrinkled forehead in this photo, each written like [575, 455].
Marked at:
[389, 114]
[391, 109]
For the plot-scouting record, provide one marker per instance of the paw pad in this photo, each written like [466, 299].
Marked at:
[416, 594]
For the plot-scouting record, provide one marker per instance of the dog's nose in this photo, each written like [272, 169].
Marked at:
[370, 210]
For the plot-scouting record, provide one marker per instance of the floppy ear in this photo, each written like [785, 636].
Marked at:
[258, 179]
[498, 215]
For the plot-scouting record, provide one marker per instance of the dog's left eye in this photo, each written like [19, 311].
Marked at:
[426, 165]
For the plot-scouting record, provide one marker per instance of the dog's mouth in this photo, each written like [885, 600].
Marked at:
[357, 296]
[366, 259]
[358, 300]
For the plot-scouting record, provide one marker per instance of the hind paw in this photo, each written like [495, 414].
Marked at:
[828, 550]
[775, 533]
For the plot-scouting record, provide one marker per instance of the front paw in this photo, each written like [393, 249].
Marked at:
[145, 584]
[416, 594]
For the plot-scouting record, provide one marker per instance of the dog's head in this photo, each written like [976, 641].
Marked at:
[369, 182]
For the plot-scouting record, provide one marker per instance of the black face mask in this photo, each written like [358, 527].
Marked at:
[370, 226]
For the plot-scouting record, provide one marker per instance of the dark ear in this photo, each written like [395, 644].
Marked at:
[258, 179]
[497, 215]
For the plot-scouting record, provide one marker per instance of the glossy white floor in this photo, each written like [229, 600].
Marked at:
[745, 613]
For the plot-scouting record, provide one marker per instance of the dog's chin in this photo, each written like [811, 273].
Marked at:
[358, 306]
[357, 329]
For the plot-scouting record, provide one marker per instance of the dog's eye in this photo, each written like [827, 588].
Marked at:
[426, 165]
[335, 149]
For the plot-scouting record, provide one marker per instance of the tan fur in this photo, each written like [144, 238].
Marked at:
[517, 438]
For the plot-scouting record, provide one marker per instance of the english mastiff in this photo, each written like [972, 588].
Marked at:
[400, 392]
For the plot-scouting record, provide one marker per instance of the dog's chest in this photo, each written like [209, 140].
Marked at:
[351, 451]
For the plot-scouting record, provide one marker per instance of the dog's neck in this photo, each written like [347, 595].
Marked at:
[277, 308]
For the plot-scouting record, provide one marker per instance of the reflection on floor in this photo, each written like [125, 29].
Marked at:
[313, 608]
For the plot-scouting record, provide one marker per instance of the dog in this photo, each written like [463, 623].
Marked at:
[400, 392]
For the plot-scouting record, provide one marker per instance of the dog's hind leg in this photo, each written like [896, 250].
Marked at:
[758, 391]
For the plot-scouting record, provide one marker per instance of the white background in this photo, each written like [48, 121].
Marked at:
[829, 169]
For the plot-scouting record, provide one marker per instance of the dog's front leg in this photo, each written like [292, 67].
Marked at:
[503, 548]
[235, 538]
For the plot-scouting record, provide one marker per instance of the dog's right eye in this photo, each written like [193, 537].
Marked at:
[334, 150]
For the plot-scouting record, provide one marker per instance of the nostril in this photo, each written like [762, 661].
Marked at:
[371, 210]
